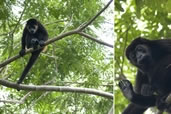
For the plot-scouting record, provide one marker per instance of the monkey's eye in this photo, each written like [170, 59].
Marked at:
[34, 26]
[29, 27]
[140, 49]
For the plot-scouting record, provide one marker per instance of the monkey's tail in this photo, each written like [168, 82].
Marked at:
[32, 60]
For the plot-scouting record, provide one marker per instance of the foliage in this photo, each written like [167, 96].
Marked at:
[72, 61]
[147, 18]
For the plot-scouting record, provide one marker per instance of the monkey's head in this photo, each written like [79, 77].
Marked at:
[32, 26]
[139, 53]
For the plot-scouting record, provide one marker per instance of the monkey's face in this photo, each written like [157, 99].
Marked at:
[141, 55]
[32, 28]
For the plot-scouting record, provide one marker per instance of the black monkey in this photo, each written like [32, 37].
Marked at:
[153, 80]
[34, 35]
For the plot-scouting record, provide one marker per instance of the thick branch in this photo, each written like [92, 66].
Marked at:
[56, 88]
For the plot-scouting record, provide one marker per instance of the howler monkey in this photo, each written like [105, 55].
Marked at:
[153, 80]
[34, 35]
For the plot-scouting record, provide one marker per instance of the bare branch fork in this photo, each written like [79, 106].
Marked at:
[75, 31]
[56, 88]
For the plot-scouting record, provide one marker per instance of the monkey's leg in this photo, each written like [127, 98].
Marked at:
[32, 60]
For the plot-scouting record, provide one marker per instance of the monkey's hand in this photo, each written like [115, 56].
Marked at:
[161, 103]
[41, 43]
[35, 43]
[22, 52]
[127, 89]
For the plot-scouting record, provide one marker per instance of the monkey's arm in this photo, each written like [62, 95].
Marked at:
[134, 109]
[23, 43]
[127, 90]
[42, 38]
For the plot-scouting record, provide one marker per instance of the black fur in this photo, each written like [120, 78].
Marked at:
[153, 79]
[32, 40]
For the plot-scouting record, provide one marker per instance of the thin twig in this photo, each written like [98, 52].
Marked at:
[17, 101]
[91, 20]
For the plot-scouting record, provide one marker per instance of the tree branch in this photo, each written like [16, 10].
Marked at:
[91, 20]
[22, 100]
[94, 39]
[111, 110]
[56, 88]
[76, 31]
[17, 101]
